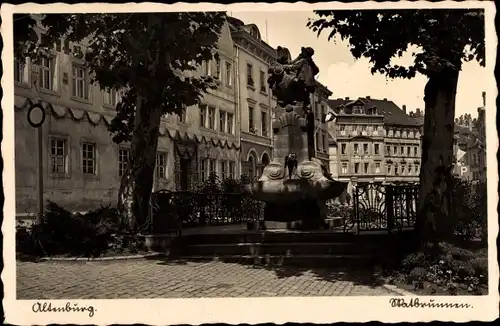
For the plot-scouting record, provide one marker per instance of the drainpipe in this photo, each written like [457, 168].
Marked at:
[270, 119]
[237, 126]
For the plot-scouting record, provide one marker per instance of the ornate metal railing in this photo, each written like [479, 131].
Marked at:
[378, 207]
[174, 210]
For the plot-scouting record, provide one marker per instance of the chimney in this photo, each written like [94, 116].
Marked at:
[347, 98]
[484, 99]
[368, 97]
[418, 112]
[404, 108]
[385, 98]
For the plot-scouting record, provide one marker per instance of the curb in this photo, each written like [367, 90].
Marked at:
[399, 291]
[70, 259]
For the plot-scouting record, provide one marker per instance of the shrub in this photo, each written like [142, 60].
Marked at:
[451, 269]
[63, 233]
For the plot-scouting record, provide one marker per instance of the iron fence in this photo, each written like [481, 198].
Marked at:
[378, 207]
[174, 210]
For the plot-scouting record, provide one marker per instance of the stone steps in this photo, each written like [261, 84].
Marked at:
[324, 261]
[287, 249]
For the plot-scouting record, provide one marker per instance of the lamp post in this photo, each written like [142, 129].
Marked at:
[36, 117]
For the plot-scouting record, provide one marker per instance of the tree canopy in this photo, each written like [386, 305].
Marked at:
[446, 37]
[138, 53]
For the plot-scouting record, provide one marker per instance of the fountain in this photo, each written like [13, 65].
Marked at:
[295, 185]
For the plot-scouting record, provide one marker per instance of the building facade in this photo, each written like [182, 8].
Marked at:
[255, 102]
[82, 166]
[374, 141]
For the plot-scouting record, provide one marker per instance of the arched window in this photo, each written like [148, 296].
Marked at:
[252, 166]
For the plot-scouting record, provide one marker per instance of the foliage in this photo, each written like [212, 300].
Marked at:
[78, 235]
[445, 37]
[469, 210]
[140, 53]
[452, 270]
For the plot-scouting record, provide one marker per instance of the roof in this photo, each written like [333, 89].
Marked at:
[393, 115]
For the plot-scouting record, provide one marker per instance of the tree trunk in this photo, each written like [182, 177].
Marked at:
[137, 182]
[434, 222]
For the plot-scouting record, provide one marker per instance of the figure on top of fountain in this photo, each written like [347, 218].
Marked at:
[293, 81]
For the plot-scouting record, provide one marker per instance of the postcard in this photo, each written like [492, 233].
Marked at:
[249, 163]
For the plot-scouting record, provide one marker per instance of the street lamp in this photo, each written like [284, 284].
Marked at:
[36, 117]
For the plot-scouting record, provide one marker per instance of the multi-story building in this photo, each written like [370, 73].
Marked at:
[256, 102]
[375, 141]
[471, 147]
[319, 102]
[83, 167]
[253, 57]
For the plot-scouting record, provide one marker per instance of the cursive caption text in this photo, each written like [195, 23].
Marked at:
[68, 307]
[415, 303]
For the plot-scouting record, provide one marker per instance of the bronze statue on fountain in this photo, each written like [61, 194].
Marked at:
[299, 196]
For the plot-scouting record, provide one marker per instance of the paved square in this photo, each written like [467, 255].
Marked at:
[162, 279]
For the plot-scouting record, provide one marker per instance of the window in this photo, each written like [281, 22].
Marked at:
[402, 169]
[88, 158]
[264, 123]
[325, 144]
[388, 150]
[47, 73]
[229, 123]
[223, 170]
[365, 148]
[395, 148]
[363, 128]
[377, 167]
[367, 166]
[396, 170]
[377, 149]
[316, 141]
[343, 148]
[109, 97]
[356, 168]
[222, 121]
[415, 151]
[410, 170]
[203, 115]
[208, 68]
[250, 75]
[123, 157]
[217, 69]
[232, 171]
[58, 147]
[182, 116]
[229, 74]
[402, 150]
[203, 169]
[211, 117]
[161, 165]
[251, 124]
[262, 81]
[344, 168]
[19, 68]
[80, 87]
[408, 151]
[356, 149]
[389, 168]
[211, 166]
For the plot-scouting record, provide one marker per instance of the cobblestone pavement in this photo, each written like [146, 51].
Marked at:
[160, 279]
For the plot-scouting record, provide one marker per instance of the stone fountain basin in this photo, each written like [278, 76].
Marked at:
[290, 190]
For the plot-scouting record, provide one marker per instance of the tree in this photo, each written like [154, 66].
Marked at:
[150, 57]
[446, 38]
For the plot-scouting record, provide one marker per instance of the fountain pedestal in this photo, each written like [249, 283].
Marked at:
[294, 185]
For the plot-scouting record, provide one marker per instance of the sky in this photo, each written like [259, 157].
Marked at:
[347, 77]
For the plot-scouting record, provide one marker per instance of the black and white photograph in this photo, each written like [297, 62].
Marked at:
[249, 163]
